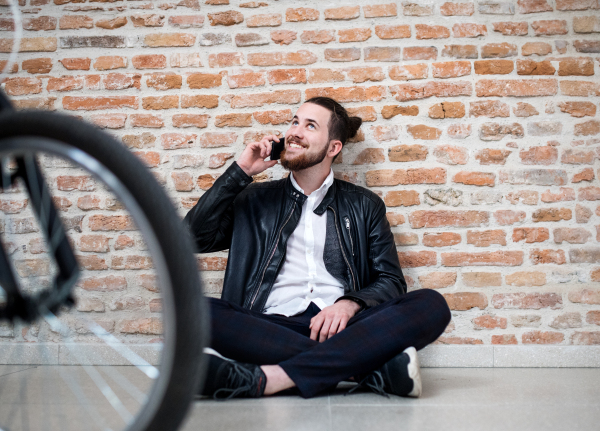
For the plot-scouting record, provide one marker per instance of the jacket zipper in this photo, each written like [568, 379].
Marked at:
[271, 256]
[342, 248]
[347, 220]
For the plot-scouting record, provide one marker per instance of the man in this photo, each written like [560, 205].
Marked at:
[313, 292]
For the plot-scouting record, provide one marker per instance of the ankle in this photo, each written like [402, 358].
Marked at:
[277, 379]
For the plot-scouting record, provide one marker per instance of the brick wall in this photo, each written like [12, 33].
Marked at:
[480, 132]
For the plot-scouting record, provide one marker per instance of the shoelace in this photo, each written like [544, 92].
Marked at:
[239, 380]
[373, 381]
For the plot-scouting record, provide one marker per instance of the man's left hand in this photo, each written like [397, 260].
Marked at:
[332, 319]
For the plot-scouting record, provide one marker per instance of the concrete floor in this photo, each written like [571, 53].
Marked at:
[522, 399]
[488, 399]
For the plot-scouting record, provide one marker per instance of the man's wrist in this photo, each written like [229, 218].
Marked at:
[355, 306]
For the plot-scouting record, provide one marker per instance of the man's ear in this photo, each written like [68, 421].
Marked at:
[335, 147]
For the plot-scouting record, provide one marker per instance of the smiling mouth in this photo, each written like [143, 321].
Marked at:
[295, 145]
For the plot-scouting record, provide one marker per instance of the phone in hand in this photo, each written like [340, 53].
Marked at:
[277, 148]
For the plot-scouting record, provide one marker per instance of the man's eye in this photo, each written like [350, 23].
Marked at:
[311, 125]
[294, 122]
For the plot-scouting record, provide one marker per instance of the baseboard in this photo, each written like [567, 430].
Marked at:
[433, 356]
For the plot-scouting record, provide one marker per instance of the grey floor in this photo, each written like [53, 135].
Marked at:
[482, 399]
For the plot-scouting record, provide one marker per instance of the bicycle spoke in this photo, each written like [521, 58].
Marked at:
[100, 383]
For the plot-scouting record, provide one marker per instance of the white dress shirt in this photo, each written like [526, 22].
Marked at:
[303, 277]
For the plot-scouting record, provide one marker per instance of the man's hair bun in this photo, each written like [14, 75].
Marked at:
[353, 126]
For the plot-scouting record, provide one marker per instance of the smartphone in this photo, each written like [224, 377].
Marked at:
[277, 148]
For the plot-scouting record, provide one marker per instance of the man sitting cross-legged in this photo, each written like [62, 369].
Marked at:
[313, 292]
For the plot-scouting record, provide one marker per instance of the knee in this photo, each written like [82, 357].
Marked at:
[436, 304]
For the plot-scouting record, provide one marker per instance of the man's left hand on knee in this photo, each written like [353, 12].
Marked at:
[332, 319]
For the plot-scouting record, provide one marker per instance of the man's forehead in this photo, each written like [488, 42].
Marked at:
[311, 111]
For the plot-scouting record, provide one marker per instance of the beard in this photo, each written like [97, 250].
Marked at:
[303, 161]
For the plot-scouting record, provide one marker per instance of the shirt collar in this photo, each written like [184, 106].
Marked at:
[321, 190]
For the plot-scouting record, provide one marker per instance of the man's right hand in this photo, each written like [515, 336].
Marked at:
[252, 160]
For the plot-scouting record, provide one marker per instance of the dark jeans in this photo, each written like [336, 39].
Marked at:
[372, 337]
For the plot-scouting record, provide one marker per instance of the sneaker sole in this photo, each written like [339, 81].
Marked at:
[414, 372]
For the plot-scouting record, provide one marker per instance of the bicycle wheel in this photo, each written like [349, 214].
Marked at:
[128, 355]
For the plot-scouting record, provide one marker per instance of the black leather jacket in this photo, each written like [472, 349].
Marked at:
[254, 221]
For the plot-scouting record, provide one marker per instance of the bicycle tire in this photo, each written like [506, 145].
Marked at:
[185, 364]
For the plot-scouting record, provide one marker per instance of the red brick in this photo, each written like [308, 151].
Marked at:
[407, 153]
[274, 117]
[95, 103]
[549, 27]
[37, 65]
[264, 20]
[390, 111]
[111, 24]
[214, 139]
[593, 317]
[533, 301]
[225, 59]
[212, 263]
[585, 338]
[486, 238]
[380, 10]
[92, 263]
[589, 128]
[414, 91]
[317, 36]
[287, 76]
[489, 322]
[494, 67]
[299, 58]
[88, 202]
[451, 155]
[394, 219]
[490, 156]
[424, 132]
[565, 194]
[354, 35]
[497, 131]
[504, 339]
[543, 337]
[159, 40]
[538, 256]
[94, 243]
[482, 279]
[301, 14]
[72, 182]
[442, 239]
[146, 120]
[539, 156]
[437, 280]
[131, 262]
[402, 198]
[425, 31]
[424, 218]
[578, 109]
[531, 234]
[186, 21]
[579, 88]
[408, 72]
[469, 30]
[457, 9]
[406, 239]
[511, 28]
[459, 131]
[536, 48]
[551, 214]
[586, 174]
[392, 177]
[219, 159]
[392, 31]
[348, 94]
[516, 87]
[111, 223]
[413, 259]
[533, 6]
[182, 181]
[526, 278]
[70, 22]
[148, 20]
[581, 66]
[460, 51]
[571, 235]
[22, 86]
[509, 217]
[451, 69]
[463, 301]
[458, 340]
[342, 13]
[419, 53]
[484, 258]
[283, 37]
[110, 283]
[147, 326]
[475, 178]
[366, 113]
[589, 193]
[233, 120]
[173, 141]
[65, 83]
[109, 121]
[530, 67]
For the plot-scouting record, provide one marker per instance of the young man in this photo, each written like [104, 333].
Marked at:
[313, 292]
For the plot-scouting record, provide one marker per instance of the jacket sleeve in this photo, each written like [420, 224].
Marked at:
[387, 280]
[210, 222]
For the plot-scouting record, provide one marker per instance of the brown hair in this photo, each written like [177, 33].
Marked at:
[341, 126]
